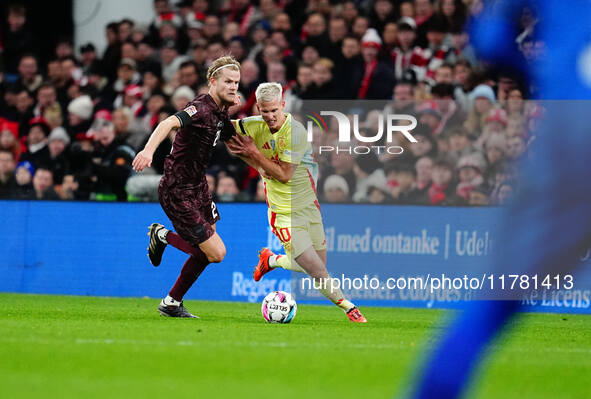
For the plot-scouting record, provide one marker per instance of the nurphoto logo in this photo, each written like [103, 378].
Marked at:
[392, 126]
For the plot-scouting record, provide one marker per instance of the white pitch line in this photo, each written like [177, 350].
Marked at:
[274, 344]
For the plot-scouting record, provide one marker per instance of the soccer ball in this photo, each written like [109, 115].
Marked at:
[279, 307]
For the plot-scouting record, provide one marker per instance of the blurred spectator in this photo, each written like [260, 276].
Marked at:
[424, 169]
[360, 26]
[7, 167]
[406, 8]
[80, 114]
[37, 151]
[27, 70]
[436, 52]
[451, 113]
[405, 55]
[423, 12]
[23, 174]
[341, 164]
[181, 97]
[227, 190]
[322, 79]
[171, 60]
[260, 195]
[43, 185]
[16, 38]
[505, 193]
[24, 110]
[470, 175]
[514, 104]
[337, 31]
[367, 168]
[403, 99]
[454, 12]
[382, 13]
[430, 116]
[377, 190]
[515, 148]
[400, 178]
[69, 188]
[479, 196]
[349, 71]
[189, 75]
[121, 118]
[462, 73]
[88, 58]
[335, 189]
[112, 162]
[495, 149]
[378, 80]
[9, 141]
[58, 141]
[460, 143]
[482, 99]
[515, 126]
[442, 191]
[317, 36]
[425, 145]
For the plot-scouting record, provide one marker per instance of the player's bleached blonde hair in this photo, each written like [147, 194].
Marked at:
[269, 91]
[227, 61]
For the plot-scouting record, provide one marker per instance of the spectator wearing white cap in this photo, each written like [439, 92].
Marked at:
[336, 189]
[58, 141]
[181, 97]
[79, 115]
[482, 101]
[470, 170]
[377, 77]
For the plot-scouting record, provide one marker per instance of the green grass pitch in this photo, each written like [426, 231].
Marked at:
[86, 347]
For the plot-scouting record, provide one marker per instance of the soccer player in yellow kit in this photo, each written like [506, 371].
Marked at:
[276, 145]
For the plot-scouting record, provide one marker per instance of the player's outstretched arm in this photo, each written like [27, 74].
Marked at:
[144, 158]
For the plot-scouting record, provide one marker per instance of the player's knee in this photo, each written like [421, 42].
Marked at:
[217, 255]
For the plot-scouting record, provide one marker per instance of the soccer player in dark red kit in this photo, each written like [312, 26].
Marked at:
[183, 189]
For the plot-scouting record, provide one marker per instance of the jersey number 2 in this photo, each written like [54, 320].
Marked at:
[217, 137]
[214, 211]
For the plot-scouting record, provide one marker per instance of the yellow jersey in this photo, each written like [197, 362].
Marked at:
[288, 144]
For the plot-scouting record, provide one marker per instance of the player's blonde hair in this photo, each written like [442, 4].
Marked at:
[219, 64]
[268, 91]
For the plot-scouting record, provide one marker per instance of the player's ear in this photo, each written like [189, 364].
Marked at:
[283, 104]
[258, 108]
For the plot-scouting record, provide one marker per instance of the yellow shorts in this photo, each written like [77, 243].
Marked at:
[299, 230]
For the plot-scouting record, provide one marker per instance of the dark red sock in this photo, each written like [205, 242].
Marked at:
[176, 241]
[189, 274]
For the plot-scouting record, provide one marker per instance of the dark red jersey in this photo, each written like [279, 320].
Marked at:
[203, 126]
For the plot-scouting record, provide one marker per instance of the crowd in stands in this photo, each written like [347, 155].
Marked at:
[71, 125]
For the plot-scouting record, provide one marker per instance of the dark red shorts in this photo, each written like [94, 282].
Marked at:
[191, 211]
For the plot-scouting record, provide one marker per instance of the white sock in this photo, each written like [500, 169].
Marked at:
[284, 262]
[162, 235]
[170, 301]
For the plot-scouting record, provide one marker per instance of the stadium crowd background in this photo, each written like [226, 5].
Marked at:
[71, 124]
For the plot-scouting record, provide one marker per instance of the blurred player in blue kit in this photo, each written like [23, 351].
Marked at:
[549, 224]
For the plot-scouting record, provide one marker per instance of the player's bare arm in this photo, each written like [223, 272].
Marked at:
[244, 147]
[144, 158]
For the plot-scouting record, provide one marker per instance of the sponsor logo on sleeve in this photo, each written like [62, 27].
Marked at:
[191, 110]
